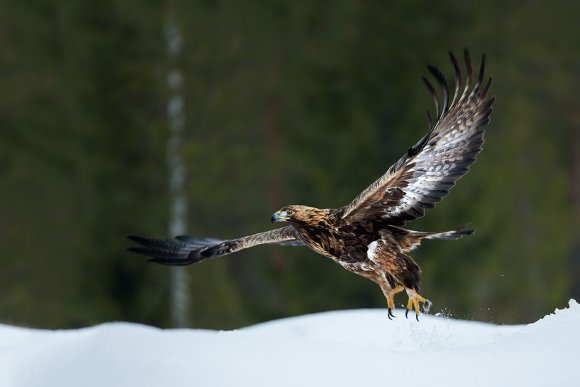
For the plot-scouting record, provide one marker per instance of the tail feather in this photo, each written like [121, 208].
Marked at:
[450, 235]
[180, 251]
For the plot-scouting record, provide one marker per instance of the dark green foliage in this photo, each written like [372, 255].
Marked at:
[286, 102]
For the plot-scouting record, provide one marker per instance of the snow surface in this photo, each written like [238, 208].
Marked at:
[343, 348]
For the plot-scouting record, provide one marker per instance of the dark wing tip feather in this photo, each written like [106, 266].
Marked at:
[468, 232]
[453, 61]
[429, 120]
[166, 257]
[172, 261]
[481, 70]
[433, 93]
[468, 68]
[443, 85]
[454, 140]
[458, 80]
[464, 230]
[177, 252]
[143, 241]
[487, 87]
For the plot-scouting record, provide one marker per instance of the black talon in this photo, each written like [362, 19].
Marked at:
[417, 317]
[390, 314]
[407, 313]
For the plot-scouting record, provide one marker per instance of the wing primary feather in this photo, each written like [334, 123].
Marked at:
[481, 71]
[179, 251]
[185, 250]
[487, 87]
[415, 149]
[165, 255]
[458, 80]
[469, 71]
[433, 94]
[429, 120]
[443, 85]
[172, 261]
[477, 88]
[429, 169]
[158, 244]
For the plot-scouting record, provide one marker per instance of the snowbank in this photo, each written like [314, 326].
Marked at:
[343, 348]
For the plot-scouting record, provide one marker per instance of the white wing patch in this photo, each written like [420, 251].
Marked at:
[371, 251]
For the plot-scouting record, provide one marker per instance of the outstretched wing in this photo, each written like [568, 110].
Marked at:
[185, 250]
[426, 173]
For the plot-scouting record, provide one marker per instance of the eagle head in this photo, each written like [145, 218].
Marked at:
[299, 214]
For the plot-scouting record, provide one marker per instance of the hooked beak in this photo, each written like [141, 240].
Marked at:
[279, 216]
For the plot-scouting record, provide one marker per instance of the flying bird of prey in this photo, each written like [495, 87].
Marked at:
[367, 236]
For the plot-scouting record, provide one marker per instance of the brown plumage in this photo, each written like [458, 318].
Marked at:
[366, 237]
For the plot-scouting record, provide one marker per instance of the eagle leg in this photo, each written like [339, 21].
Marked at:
[415, 299]
[391, 301]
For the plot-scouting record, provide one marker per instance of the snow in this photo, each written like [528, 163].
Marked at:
[342, 348]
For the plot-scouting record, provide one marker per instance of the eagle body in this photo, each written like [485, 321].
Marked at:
[367, 237]
[374, 250]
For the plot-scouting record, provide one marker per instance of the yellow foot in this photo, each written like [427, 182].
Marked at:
[415, 299]
[391, 301]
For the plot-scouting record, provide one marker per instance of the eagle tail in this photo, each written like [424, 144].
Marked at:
[450, 235]
[181, 251]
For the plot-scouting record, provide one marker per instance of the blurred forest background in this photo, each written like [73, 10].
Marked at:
[274, 102]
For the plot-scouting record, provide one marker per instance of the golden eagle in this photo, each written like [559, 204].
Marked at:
[366, 237]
